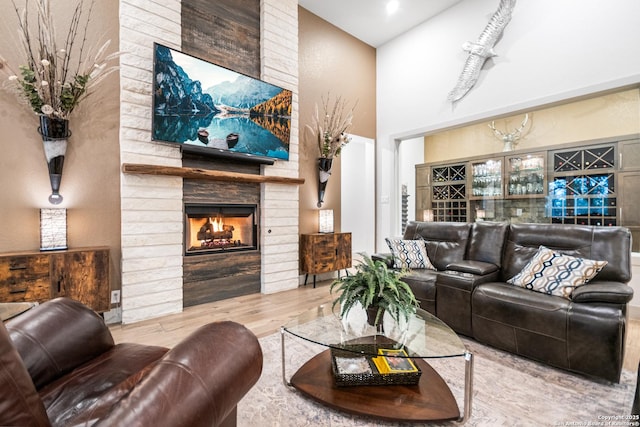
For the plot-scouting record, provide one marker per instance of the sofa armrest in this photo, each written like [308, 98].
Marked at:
[57, 336]
[611, 292]
[199, 382]
[387, 258]
[473, 267]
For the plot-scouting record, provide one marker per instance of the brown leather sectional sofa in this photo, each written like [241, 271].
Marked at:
[59, 366]
[583, 334]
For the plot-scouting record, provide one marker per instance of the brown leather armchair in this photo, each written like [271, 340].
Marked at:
[59, 366]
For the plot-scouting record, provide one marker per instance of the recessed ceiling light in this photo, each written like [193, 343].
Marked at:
[392, 7]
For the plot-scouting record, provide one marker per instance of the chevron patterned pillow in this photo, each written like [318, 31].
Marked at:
[553, 273]
[410, 254]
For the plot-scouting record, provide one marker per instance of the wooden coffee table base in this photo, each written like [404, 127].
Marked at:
[430, 400]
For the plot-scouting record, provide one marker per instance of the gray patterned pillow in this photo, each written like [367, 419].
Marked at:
[553, 273]
[410, 254]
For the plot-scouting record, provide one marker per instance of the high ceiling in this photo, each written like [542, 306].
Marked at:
[369, 21]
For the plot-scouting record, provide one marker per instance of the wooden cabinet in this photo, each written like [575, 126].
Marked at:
[441, 193]
[81, 274]
[588, 182]
[324, 252]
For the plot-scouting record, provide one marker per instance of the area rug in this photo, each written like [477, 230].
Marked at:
[508, 391]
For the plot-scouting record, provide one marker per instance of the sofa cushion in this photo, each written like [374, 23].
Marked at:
[44, 335]
[552, 273]
[423, 285]
[610, 243]
[100, 384]
[520, 309]
[411, 254]
[446, 242]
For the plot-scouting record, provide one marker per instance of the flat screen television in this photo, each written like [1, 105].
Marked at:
[197, 103]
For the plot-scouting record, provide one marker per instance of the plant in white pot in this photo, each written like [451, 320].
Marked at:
[378, 289]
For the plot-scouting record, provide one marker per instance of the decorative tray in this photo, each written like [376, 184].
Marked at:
[350, 368]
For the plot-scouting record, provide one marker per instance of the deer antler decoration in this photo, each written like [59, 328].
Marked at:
[510, 140]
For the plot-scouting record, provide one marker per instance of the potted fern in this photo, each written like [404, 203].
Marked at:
[377, 289]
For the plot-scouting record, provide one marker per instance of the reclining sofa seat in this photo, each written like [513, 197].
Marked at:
[464, 255]
[59, 366]
[469, 291]
[585, 333]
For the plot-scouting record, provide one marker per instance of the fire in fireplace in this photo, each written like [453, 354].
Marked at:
[219, 228]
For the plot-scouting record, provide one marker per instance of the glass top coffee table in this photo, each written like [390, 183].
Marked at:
[423, 336]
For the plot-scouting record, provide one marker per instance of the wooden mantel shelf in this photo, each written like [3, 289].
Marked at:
[205, 174]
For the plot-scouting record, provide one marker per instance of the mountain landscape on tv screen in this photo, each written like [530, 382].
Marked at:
[241, 114]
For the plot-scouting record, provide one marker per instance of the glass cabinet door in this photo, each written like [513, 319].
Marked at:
[486, 179]
[525, 176]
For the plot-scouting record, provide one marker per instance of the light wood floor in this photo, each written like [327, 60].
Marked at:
[264, 314]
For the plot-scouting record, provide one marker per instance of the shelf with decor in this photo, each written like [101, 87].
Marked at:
[486, 179]
[525, 175]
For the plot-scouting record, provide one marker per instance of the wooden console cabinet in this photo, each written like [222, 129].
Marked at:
[324, 252]
[81, 274]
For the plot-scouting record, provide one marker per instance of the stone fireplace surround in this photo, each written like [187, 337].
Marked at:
[152, 249]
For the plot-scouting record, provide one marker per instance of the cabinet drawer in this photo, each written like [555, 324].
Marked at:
[323, 267]
[24, 278]
[324, 254]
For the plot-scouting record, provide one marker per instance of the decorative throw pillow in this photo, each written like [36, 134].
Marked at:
[553, 273]
[409, 254]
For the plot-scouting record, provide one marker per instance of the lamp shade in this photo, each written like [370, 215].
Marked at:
[53, 229]
[325, 220]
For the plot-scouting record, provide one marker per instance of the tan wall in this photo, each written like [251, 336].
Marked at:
[90, 181]
[330, 61]
[600, 117]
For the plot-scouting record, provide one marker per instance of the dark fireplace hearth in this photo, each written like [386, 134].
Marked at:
[216, 228]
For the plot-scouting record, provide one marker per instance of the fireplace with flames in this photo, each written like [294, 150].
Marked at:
[220, 228]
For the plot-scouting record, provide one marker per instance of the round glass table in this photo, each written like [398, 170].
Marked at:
[408, 344]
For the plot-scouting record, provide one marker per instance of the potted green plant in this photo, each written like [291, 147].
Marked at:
[377, 288]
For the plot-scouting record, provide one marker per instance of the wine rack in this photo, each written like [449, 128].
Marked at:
[583, 188]
[601, 157]
[449, 193]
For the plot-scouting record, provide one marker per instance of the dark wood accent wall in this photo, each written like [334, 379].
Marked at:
[226, 32]
[217, 276]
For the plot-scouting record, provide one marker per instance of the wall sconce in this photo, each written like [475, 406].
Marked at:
[427, 215]
[325, 221]
[53, 229]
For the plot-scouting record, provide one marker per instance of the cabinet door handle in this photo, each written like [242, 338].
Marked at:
[18, 267]
[18, 291]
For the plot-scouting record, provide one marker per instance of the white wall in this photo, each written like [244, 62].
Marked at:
[357, 193]
[410, 154]
[551, 51]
